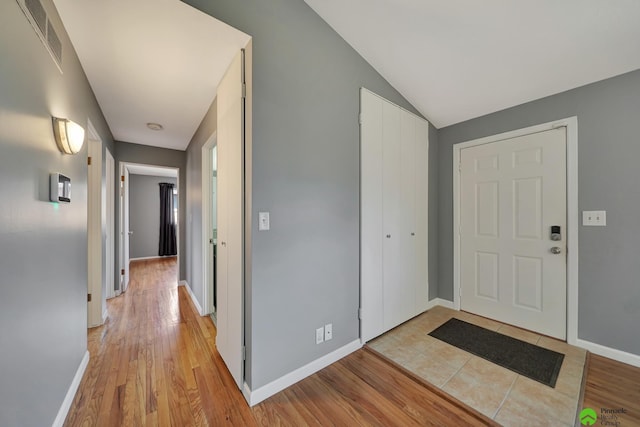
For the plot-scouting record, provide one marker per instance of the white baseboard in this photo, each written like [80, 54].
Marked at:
[71, 393]
[151, 257]
[441, 302]
[256, 396]
[611, 353]
[193, 297]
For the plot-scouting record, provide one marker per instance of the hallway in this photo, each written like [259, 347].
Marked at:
[153, 362]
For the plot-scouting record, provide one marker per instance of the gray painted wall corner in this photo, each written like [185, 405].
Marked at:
[305, 157]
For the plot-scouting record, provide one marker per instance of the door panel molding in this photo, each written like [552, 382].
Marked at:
[571, 125]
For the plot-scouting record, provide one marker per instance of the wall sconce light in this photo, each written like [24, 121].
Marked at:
[69, 135]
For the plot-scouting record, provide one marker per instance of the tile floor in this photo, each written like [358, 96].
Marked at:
[506, 397]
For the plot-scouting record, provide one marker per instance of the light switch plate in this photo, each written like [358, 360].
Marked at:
[594, 218]
[263, 221]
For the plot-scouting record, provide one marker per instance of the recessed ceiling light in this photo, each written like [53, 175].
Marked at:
[155, 126]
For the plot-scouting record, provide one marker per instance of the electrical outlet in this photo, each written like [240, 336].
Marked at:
[594, 218]
[328, 331]
[319, 335]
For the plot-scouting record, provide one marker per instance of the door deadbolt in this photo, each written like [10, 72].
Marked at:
[556, 235]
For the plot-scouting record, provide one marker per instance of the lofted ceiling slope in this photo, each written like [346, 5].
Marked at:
[460, 59]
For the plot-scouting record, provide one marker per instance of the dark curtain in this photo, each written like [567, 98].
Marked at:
[167, 221]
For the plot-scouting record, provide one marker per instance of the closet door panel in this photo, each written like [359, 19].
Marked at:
[392, 215]
[407, 278]
[371, 183]
[421, 214]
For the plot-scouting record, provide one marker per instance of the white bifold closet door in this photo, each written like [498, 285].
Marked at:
[394, 159]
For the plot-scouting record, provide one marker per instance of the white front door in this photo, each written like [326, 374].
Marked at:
[512, 196]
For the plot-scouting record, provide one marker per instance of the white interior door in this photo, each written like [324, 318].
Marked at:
[371, 201]
[393, 213]
[230, 203]
[421, 220]
[512, 193]
[124, 228]
[94, 232]
[392, 271]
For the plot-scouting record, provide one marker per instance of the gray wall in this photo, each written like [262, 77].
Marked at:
[608, 175]
[144, 214]
[305, 270]
[43, 246]
[195, 235]
[144, 154]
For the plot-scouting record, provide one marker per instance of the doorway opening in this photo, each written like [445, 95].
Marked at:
[100, 228]
[140, 214]
[210, 224]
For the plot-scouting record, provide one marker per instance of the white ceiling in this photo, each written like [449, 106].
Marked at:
[458, 59]
[150, 61]
[161, 60]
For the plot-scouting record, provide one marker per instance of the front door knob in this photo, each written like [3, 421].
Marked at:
[556, 250]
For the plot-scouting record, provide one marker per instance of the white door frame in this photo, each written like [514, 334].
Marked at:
[207, 219]
[109, 216]
[127, 168]
[95, 212]
[571, 123]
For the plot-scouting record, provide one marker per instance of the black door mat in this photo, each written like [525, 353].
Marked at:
[537, 363]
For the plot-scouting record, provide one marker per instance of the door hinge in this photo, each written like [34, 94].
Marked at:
[122, 272]
[244, 90]
[360, 118]
[88, 297]
[360, 313]
[122, 178]
[244, 353]
[89, 160]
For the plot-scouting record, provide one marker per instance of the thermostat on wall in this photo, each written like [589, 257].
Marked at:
[60, 189]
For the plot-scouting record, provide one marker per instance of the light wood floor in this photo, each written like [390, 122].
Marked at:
[154, 363]
[613, 385]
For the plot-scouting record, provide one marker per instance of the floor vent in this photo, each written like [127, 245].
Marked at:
[37, 16]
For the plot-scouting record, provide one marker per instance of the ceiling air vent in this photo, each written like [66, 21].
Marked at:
[37, 16]
[54, 43]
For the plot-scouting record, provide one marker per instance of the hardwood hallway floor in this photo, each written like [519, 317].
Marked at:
[154, 363]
